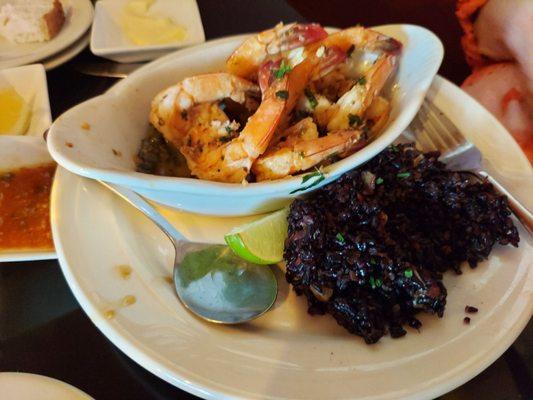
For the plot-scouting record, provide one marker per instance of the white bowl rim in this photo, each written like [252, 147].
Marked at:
[193, 185]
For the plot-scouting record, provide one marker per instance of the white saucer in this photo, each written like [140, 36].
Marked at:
[21, 386]
[288, 354]
[69, 53]
[79, 19]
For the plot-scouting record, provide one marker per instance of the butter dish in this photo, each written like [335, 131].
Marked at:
[153, 20]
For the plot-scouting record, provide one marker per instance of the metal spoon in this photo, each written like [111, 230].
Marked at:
[210, 280]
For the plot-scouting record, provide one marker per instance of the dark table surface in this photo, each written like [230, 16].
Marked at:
[43, 330]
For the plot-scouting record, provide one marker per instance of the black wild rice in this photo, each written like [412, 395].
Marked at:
[370, 248]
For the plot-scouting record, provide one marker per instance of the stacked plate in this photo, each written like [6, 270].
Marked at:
[71, 40]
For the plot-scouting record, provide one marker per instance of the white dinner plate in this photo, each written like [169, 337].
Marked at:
[21, 386]
[17, 152]
[288, 354]
[79, 16]
[68, 54]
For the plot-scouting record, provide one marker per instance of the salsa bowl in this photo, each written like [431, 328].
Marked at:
[99, 138]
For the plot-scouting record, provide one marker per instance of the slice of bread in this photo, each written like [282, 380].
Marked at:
[26, 21]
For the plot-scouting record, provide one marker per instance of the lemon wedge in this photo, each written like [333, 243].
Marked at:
[16, 113]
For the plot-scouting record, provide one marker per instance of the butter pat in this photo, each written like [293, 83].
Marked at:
[142, 28]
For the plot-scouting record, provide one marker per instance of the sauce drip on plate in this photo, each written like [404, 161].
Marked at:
[25, 208]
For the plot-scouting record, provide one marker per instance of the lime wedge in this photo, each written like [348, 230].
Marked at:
[260, 241]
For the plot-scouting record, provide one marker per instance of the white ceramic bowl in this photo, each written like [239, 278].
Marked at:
[118, 121]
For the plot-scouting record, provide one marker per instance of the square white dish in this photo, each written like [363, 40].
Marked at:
[30, 83]
[17, 152]
[109, 41]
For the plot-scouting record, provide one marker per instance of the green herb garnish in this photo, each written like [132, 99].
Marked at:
[379, 282]
[354, 120]
[311, 98]
[361, 81]
[379, 181]
[283, 94]
[283, 69]
[340, 238]
[372, 282]
[228, 129]
[394, 148]
[311, 175]
[350, 51]
[315, 174]
[403, 175]
[408, 273]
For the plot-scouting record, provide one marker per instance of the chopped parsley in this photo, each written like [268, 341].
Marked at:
[403, 175]
[340, 238]
[350, 51]
[379, 282]
[372, 282]
[379, 181]
[311, 98]
[319, 175]
[230, 136]
[408, 273]
[311, 175]
[361, 81]
[354, 120]
[283, 69]
[394, 148]
[283, 94]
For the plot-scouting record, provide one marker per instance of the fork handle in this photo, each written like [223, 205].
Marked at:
[518, 209]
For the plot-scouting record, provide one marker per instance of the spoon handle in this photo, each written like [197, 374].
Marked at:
[143, 206]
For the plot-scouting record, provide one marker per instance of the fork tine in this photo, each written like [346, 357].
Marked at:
[421, 136]
[433, 130]
[450, 130]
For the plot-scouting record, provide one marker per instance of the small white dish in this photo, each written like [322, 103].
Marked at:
[30, 83]
[22, 386]
[288, 354]
[108, 39]
[118, 122]
[68, 54]
[17, 152]
[79, 16]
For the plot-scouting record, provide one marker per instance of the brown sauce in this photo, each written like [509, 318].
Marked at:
[25, 208]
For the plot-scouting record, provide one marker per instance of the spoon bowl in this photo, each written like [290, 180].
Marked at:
[210, 280]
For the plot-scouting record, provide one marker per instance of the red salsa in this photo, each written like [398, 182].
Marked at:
[25, 208]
